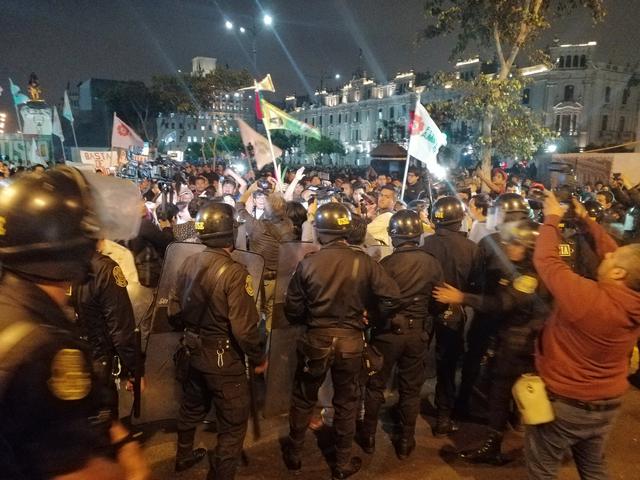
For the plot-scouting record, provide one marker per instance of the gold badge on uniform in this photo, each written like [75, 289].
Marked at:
[70, 377]
[343, 221]
[119, 277]
[3, 222]
[248, 285]
[525, 284]
[198, 226]
[564, 250]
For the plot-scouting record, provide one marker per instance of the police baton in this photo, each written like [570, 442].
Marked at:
[255, 420]
[137, 379]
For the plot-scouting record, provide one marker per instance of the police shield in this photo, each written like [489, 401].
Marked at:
[283, 338]
[161, 398]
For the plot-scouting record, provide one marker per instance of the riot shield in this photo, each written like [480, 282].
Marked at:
[283, 338]
[161, 398]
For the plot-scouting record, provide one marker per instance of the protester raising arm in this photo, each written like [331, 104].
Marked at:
[288, 194]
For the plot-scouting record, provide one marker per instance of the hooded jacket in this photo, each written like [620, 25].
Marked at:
[583, 350]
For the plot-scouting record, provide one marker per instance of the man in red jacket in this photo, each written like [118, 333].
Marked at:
[583, 350]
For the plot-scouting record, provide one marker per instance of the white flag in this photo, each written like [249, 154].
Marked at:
[426, 139]
[123, 135]
[57, 127]
[261, 149]
[66, 109]
[36, 159]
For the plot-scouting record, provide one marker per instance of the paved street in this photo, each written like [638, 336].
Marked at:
[432, 459]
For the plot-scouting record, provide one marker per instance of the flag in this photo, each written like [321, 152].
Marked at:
[19, 98]
[66, 109]
[276, 119]
[123, 135]
[261, 151]
[426, 138]
[57, 127]
[265, 85]
[36, 159]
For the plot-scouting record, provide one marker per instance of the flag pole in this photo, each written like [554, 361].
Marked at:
[273, 158]
[24, 144]
[406, 172]
[73, 129]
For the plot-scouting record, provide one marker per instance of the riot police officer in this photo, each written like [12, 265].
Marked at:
[56, 417]
[403, 338]
[105, 316]
[460, 261]
[522, 305]
[213, 303]
[329, 293]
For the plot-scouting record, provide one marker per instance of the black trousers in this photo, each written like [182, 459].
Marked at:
[317, 356]
[507, 368]
[408, 352]
[230, 396]
[449, 350]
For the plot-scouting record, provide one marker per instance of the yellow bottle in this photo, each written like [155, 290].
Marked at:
[531, 398]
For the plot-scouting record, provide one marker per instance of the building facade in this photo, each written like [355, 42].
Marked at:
[587, 103]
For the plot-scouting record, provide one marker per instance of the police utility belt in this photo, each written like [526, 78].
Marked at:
[400, 325]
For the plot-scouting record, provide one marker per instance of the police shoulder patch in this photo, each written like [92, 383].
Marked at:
[119, 277]
[248, 285]
[70, 377]
[525, 284]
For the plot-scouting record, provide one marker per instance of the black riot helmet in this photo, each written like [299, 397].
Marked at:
[524, 232]
[216, 225]
[447, 211]
[405, 226]
[595, 210]
[48, 226]
[332, 221]
[508, 207]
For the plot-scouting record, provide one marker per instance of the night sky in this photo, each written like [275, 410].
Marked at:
[72, 40]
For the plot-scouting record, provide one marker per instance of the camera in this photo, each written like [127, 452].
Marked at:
[264, 184]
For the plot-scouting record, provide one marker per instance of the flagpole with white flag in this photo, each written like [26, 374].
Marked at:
[57, 131]
[18, 99]
[425, 141]
[68, 114]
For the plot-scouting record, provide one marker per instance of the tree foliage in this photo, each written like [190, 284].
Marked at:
[324, 146]
[505, 28]
[190, 94]
[285, 141]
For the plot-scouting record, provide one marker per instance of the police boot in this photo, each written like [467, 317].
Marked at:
[345, 472]
[488, 453]
[405, 447]
[444, 426]
[365, 438]
[186, 456]
[291, 457]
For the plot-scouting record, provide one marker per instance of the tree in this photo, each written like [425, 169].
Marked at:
[285, 141]
[231, 144]
[505, 26]
[190, 94]
[136, 105]
[324, 146]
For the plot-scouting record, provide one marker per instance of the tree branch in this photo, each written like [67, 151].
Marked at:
[498, 42]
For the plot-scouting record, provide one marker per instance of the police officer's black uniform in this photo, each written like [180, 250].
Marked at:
[522, 304]
[329, 293]
[55, 415]
[403, 338]
[215, 305]
[105, 317]
[460, 261]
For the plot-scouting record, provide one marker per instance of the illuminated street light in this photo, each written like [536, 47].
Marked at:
[228, 25]
[268, 20]
[553, 148]
[243, 30]
[337, 76]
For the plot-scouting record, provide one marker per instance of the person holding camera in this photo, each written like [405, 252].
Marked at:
[582, 354]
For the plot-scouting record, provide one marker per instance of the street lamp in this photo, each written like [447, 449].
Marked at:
[337, 76]
[267, 20]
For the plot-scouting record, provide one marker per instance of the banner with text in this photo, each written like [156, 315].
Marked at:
[100, 158]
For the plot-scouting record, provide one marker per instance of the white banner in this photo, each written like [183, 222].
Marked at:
[100, 158]
[36, 121]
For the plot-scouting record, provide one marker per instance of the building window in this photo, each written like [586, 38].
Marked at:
[625, 96]
[561, 62]
[357, 117]
[180, 125]
[526, 93]
[621, 124]
[557, 124]
[576, 61]
[605, 122]
[392, 113]
[567, 64]
[568, 93]
[339, 118]
[565, 126]
[379, 114]
[330, 119]
[583, 61]
[346, 118]
[201, 127]
[173, 124]
[320, 121]
[313, 121]
[607, 95]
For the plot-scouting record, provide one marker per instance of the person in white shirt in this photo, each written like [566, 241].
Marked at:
[386, 202]
[478, 209]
